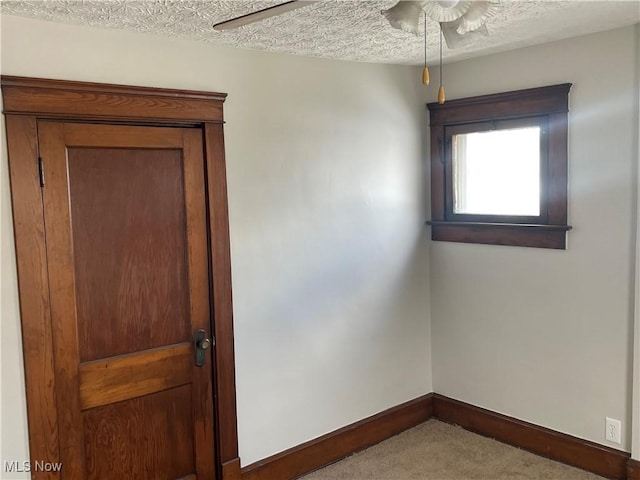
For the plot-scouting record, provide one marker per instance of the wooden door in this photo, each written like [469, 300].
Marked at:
[126, 245]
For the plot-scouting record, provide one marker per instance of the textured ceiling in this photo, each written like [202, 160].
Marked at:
[347, 30]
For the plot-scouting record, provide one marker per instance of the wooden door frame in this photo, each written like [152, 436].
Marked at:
[27, 100]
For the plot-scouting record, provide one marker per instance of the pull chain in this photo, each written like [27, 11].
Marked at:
[425, 71]
[441, 96]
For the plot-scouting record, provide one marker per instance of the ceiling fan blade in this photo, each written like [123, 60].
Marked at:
[261, 14]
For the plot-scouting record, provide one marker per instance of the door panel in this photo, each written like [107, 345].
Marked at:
[119, 378]
[131, 265]
[143, 438]
[127, 256]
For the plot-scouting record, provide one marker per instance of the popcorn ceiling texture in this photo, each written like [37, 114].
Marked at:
[345, 30]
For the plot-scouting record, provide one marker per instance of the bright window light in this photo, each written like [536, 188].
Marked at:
[497, 172]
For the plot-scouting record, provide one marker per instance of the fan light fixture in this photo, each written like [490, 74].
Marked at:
[456, 17]
[476, 16]
[448, 3]
[404, 16]
[453, 39]
[461, 22]
[446, 10]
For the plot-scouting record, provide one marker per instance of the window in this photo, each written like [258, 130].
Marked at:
[497, 171]
[499, 168]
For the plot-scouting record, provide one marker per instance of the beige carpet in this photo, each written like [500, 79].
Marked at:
[438, 451]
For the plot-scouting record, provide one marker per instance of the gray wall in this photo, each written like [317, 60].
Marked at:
[329, 249]
[331, 262]
[541, 335]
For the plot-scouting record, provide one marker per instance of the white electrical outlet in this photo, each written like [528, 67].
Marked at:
[613, 430]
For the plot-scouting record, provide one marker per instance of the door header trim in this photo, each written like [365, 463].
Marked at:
[84, 100]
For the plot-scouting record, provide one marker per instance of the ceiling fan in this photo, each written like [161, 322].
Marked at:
[461, 21]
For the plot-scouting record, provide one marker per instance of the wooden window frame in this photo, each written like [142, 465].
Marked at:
[27, 100]
[545, 106]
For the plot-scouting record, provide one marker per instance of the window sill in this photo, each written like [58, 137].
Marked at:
[514, 234]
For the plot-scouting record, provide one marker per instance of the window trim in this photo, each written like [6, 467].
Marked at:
[546, 105]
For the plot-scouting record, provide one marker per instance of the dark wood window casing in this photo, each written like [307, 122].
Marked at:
[545, 107]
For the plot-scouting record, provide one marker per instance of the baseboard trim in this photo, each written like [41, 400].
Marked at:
[633, 469]
[336, 445]
[231, 470]
[567, 449]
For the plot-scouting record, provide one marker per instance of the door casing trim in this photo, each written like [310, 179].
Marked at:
[27, 100]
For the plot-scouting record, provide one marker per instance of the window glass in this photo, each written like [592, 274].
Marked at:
[497, 172]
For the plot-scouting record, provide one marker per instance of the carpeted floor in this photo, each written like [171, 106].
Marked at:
[438, 451]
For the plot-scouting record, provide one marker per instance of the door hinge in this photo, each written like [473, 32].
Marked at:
[41, 171]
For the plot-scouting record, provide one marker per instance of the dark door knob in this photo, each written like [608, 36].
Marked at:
[205, 343]
[201, 343]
